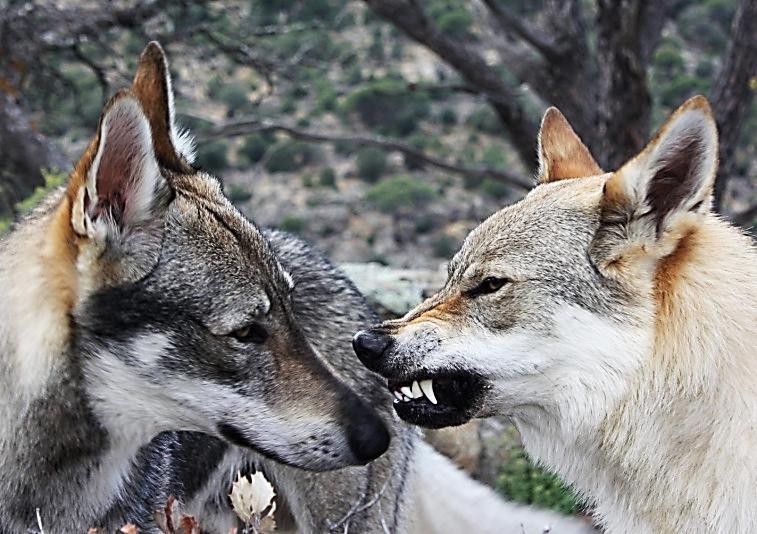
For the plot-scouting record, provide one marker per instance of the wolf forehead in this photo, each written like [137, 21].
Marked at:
[210, 245]
[552, 223]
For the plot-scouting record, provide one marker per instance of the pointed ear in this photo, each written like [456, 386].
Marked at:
[174, 148]
[656, 197]
[121, 186]
[562, 154]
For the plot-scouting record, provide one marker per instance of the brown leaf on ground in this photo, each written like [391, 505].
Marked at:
[189, 525]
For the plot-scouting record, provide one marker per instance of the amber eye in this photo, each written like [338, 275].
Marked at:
[490, 284]
[252, 333]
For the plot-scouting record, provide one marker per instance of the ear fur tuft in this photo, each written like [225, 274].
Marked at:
[562, 154]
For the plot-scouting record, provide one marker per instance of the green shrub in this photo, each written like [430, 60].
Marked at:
[325, 99]
[388, 106]
[327, 177]
[451, 17]
[292, 223]
[444, 246]
[486, 121]
[238, 194]
[213, 156]
[394, 194]
[448, 117]
[53, 179]
[234, 95]
[253, 148]
[371, 163]
[522, 481]
[289, 155]
[495, 188]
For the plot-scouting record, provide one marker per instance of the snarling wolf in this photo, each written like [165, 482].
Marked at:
[613, 317]
[153, 342]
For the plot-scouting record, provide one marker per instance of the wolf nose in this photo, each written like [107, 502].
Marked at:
[367, 434]
[370, 345]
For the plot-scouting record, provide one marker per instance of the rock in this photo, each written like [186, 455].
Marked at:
[393, 291]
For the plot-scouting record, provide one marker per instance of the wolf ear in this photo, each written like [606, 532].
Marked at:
[653, 196]
[562, 154]
[174, 148]
[121, 185]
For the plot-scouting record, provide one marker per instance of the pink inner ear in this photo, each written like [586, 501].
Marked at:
[121, 162]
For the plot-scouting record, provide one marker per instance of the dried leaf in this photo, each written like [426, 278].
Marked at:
[252, 496]
[189, 525]
[129, 528]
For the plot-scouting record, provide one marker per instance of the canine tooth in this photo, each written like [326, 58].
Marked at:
[417, 393]
[407, 391]
[428, 390]
[405, 399]
[397, 395]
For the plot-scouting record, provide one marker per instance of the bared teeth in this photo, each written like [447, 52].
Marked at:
[417, 390]
[427, 386]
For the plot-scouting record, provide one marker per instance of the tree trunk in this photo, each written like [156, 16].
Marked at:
[624, 99]
[24, 152]
[408, 16]
[732, 95]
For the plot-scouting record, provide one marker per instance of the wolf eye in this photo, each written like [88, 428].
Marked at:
[490, 284]
[252, 333]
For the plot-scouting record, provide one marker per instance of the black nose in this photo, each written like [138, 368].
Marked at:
[367, 434]
[370, 345]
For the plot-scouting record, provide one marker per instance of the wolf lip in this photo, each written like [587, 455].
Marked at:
[438, 400]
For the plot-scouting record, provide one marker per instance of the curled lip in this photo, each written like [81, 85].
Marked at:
[438, 399]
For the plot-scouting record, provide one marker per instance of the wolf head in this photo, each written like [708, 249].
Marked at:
[181, 315]
[552, 301]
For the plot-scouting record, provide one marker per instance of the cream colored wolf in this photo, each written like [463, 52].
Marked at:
[613, 317]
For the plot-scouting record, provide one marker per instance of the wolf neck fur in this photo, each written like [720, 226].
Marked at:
[50, 439]
[704, 338]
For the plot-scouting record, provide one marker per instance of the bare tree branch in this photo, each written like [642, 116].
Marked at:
[732, 96]
[248, 126]
[408, 16]
[511, 22]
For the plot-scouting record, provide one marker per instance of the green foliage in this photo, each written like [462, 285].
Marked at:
[292, 223]
[289, 155]
[326, 97]
[238, 194]
[448, 117]
[495, 188]
[53, 179]
[253, 148]
[486, 121]
[668, 59]
[400, 192]
[444, 246]
[451, 17]
[327, 177]
[234, 95]
[371, 163]
[522, 481]
[389, 106]
[213, 156]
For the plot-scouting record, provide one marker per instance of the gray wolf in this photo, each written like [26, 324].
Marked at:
[153, 342]
[613, 317]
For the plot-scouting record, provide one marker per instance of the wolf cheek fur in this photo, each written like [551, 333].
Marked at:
[621, 340]
[131, 298]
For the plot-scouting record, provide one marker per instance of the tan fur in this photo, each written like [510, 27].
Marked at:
[624, 346]
[562, 154]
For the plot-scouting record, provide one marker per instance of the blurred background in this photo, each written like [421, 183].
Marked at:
[383, 131]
